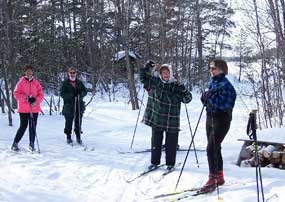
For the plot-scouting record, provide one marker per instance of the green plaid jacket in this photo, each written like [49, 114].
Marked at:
[164, 102]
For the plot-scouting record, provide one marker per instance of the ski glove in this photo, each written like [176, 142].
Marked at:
[149, 64]
[182, 88]
[205, 96]
[31, 99]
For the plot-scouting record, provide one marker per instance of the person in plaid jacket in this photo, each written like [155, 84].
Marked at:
[162, 112]
[219, 101]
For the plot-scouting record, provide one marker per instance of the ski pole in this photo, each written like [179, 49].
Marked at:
[34, 128]
[192, 140]
[191, 135]
[137, 121]
[252, 127]
[74, 115]
[258, 175]
[79, 115]
[260, 179]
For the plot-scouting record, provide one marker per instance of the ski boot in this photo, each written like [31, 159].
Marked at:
[152, 167]
[210, 185]
[32, 146]
[170, 168]
[15, 147]
[220, 178]
[78, 139]
[68, 139]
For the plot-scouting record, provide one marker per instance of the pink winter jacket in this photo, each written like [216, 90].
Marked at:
[25, 88]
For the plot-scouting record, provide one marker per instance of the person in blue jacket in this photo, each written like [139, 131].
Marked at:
[219, 101]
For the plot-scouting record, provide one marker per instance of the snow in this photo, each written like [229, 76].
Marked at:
[61, 173]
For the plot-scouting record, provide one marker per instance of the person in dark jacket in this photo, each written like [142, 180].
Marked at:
[73, 91]
[162, 112]
[219, 100]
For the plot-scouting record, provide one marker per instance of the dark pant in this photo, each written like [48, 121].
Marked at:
[68, 124]
[217, 126]
[171, 140]
[25, 119]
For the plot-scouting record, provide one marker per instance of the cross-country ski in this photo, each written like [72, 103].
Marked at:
[149, 150]
[149, 170]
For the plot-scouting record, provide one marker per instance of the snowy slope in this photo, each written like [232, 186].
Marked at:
[65, 174]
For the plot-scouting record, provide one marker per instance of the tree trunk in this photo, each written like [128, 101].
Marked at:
[147, 27]
[199, 41]
[282, 37]
[10, 52]
[2, 103]
[162, 32]
[130, 71]
[264, 75]
[7, 97]
[64, 37]
[189, 75]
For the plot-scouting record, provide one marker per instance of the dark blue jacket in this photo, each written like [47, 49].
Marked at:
[222, 95]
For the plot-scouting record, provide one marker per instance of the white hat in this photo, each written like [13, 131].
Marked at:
[171, 77]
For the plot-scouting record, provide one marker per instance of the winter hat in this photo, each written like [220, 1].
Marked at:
[26, 67]
[220, 64]
[169, 68]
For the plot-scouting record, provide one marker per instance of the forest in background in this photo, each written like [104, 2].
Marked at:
[87, 34]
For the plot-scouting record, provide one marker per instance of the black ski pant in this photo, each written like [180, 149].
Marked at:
[26, 119]
[68, 125]
[171, 140]
[217, 126]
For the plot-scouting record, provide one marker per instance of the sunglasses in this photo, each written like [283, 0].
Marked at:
[72, 72]
[213, 68]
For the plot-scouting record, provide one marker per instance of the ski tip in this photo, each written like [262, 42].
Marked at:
[129, 181]
[167, 195]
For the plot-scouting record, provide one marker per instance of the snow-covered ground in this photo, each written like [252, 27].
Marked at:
[61, 173]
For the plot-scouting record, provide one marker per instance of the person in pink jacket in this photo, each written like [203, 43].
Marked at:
[29, 95]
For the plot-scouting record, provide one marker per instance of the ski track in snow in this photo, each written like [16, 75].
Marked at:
[61, 173]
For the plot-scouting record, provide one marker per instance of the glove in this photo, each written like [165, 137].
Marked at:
[205, 96]
[182, 88]
[149, 64]
[31, 99]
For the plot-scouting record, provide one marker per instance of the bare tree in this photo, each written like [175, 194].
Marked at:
[131, 80]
